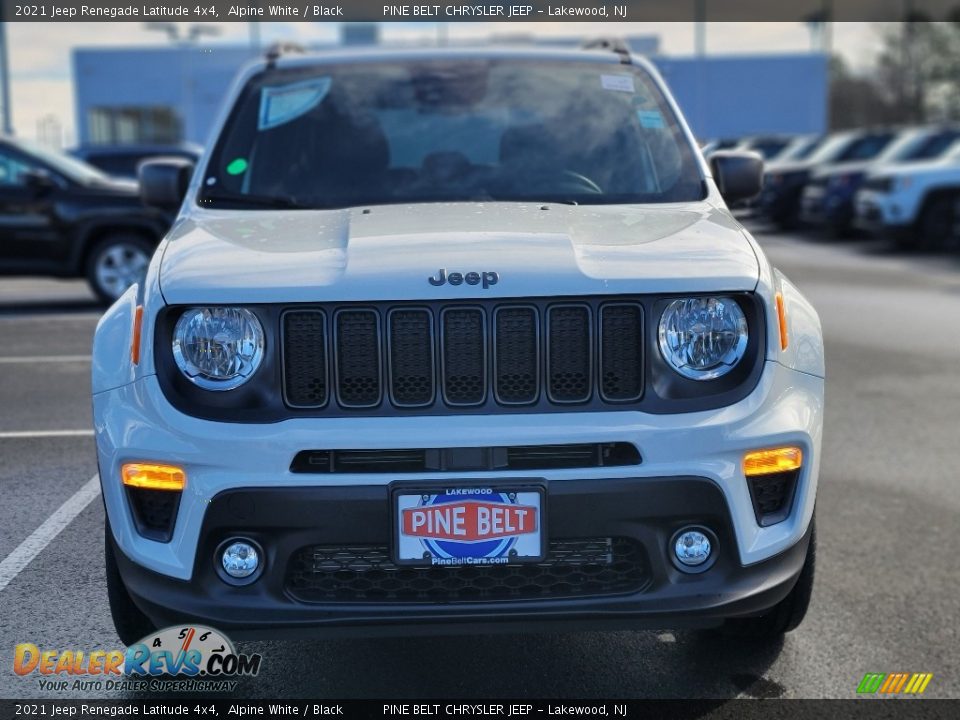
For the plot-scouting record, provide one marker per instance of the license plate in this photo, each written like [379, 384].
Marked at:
[478, 525]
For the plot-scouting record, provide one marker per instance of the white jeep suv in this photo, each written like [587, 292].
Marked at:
[447, 340]
[914, 204]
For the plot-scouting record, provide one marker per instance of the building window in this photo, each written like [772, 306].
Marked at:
[131, 125]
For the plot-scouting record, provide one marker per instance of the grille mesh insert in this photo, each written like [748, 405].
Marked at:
[358, 358]
[305, 361]
[621, 352]
[570, 353]
[464, 356]
[517, 355]
[365, 573]
[411, 357]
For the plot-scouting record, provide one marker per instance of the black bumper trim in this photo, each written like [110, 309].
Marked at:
[284, 520]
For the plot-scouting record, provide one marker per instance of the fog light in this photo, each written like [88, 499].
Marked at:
[240, 560]
[692, 547]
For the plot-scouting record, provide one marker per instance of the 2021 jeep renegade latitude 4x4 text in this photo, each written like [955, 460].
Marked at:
[449, 339]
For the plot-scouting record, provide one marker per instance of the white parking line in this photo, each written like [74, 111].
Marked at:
[27, 434]
[26, 551]
[31, 359]
[8, 314]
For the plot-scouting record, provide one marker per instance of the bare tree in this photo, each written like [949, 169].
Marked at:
[918, 69]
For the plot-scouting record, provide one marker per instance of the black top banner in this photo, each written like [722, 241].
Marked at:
[476, 11]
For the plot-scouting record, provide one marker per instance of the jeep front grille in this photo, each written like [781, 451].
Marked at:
[463, 355]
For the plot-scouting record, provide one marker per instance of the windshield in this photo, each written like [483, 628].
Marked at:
[767, 147]
[799, 149]
[866, 147]
[74, 169]
[830, 149]
[952, 153]
[451, 130]
[933, 145]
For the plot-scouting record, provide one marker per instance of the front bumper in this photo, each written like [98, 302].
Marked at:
[819, 206]
[780, 202]
[284, 520]
[878, 214]
[685, 457]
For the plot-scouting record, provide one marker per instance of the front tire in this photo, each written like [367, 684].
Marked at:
[116, 262]
[130, 622]
[936, 226]
[789, 613]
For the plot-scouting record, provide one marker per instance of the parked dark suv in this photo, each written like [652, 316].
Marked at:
[784, 182]
[62, 217]
[123, 160]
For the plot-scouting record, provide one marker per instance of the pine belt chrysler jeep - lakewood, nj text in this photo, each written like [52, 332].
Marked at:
[454, 340]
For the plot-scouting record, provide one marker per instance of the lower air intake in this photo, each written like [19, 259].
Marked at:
[772, 496]
[365, 573]
[154, 512]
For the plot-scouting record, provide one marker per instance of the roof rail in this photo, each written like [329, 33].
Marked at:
[278, 49]
[611, 44]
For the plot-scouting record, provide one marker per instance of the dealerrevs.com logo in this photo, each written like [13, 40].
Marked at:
[190, 658]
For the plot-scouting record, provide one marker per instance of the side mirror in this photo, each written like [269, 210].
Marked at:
[738, 174]
[40, 181]
[164, 182]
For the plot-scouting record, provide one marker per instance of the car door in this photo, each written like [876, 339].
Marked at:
[30, 237]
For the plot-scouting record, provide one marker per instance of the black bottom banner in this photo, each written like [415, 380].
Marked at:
[206, 708]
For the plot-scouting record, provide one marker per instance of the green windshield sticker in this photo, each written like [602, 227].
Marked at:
[282, 103]
[237, 167]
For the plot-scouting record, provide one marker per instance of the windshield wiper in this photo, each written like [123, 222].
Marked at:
[268, 201]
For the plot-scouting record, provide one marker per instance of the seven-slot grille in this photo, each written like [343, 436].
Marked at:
[463, 355]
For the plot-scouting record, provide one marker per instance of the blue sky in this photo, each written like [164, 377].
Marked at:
[40, 52]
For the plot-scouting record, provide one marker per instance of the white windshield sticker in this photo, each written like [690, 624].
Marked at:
[651, 119]
[283, 103]
[623, 83]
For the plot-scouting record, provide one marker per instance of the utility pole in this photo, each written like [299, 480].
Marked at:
[700, 27]
[700, 52]
[4, 79]
[255, 37]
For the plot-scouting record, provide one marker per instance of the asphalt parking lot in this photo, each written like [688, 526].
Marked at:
[886, 597]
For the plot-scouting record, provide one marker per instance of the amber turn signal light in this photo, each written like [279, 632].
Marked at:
[153, 476]
[135, 340]
[767, 462]
[782, 319]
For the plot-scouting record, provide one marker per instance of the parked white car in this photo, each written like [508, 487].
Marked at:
[914, 204]
[450, 339]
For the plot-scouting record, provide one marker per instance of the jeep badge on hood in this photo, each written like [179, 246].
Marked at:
[471, 278]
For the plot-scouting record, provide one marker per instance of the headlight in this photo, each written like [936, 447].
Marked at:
[218, 348]
[703, 338]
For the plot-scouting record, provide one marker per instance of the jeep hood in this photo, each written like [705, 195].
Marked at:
[388, 252]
